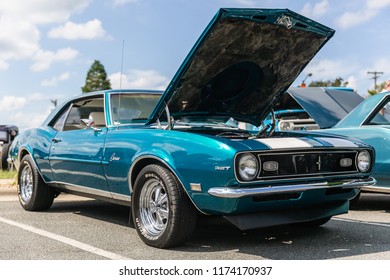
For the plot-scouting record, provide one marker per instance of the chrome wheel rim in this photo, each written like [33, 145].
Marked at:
[154, 207]
[26, 183]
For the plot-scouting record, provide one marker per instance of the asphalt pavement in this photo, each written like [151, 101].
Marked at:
[76, 228]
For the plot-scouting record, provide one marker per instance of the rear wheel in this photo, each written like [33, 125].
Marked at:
[34, 194]
[163, 214]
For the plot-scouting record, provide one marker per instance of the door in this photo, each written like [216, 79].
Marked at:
[77, 149]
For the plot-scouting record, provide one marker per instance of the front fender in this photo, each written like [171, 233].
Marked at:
[37, 143]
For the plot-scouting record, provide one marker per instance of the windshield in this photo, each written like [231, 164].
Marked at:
[132, 108]
[3, 136]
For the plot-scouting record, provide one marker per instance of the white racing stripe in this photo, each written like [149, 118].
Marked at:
[285, 143]
[66, 240]
[338, 142]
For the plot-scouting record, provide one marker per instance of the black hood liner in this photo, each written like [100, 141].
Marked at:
[240, 67]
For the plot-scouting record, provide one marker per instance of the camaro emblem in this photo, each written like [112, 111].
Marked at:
[113, 157]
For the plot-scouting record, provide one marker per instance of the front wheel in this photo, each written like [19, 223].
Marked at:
[34, 194]
[315, 223]
[163, 214]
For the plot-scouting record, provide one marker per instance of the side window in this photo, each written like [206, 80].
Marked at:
[59, 123]
[86, 113]
[381, 115]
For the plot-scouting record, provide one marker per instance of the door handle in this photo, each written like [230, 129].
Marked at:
[56, 140]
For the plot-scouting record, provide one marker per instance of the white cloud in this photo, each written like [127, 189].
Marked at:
[350, 19]
[20, 21]
[43, 11]
[55, 80]
[10, 103]
[366, 12]
[27, 119]
[19, 39]
[43, 59]
[316, 10]
[377, 4]
[3, 65]
[118, 3]
[330, 69]
[139, 79]
[72, 31]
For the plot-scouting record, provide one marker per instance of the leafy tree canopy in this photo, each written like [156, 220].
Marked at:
[379, 88]
[96, 78]
[338, 82]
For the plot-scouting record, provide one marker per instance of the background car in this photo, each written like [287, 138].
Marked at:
[344, 112]
[174, 155]
[370, 122]
[7, 135]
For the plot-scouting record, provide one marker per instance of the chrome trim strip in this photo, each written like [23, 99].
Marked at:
[121, 197]
[76, 160]
[81, 189]
[224, 192]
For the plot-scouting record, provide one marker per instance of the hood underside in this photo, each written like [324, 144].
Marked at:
[327, 106]
[243, 62]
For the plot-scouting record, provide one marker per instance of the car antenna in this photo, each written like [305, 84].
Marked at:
[120, 81]
[123, 50]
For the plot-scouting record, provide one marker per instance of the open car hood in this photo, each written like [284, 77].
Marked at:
[244, 60]
[327, 106]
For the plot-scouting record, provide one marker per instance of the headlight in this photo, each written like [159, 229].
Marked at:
[364, 161]
[247, 167]
[285, 126]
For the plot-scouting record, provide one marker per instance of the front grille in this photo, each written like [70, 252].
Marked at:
[307, 164]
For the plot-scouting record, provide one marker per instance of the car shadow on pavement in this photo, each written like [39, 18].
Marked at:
[335, 239]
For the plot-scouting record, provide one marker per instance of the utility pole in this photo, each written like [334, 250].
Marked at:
[375, 76]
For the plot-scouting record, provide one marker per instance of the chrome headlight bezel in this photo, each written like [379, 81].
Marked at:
[363, 161]
[247, 167]
[285, 125]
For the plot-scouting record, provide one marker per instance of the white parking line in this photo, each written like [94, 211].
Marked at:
[66, 240]
[361, 222]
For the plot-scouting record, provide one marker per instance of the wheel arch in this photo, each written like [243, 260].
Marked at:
[26, 151]
[146, 160]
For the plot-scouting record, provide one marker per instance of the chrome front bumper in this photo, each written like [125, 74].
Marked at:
[244, 192]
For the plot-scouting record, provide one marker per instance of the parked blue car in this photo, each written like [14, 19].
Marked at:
[312, 108]
[370, 122]
[347, 113]
[174, 154]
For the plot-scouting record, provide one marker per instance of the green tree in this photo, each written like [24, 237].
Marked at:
[338, 82]
[96, 78]
[378, 88]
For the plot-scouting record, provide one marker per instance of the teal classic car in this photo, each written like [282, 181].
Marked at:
[174, 154]
[370, 122]
[345, 112]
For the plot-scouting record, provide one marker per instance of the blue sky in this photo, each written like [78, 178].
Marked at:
[47, 46]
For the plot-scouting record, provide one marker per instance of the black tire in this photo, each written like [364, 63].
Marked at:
[4, 156]
[354, 201]
[315, 223]
[163, 214]
[34, 194]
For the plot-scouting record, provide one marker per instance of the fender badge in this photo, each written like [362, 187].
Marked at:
[113, 157]
[222, 168]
